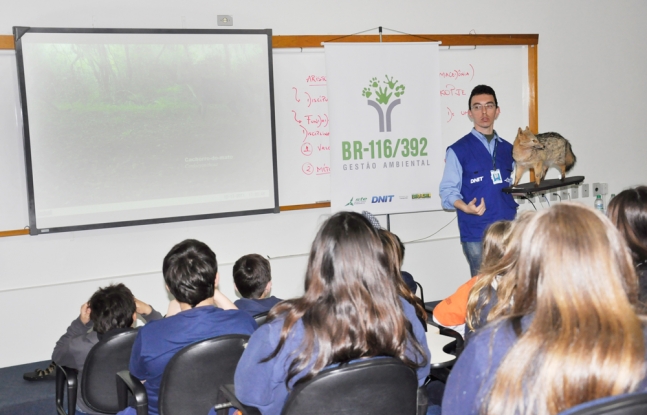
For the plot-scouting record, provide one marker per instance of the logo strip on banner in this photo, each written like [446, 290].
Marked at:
[385, 134]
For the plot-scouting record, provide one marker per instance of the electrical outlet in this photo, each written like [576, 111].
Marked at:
[564, 193]
[600, 189]
[225, 20]
[575, 190]
[553, 196]
[585, 190]
[520, 200]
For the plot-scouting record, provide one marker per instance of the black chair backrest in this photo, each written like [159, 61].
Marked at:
[194, 375]
[109, 356]
[261, 317]
[376, 386]
[628, 404]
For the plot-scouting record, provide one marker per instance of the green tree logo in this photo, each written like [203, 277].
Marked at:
[383, 91]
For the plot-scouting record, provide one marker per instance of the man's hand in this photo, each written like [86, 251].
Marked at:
[471, 208]
[142, 308]
[85, 313]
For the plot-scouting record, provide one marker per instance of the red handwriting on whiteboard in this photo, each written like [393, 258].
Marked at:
[323, 148]
[451, 114]
[306, 149]
[295, 116]
[451, 91]
[314, 100]
[307, 169]
[459, 73]
[317, 120]
[296, 94]
[316, 133]
[323, 170]
[316, 80]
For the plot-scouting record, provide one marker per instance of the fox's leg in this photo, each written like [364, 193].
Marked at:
[562, 168]
[518, 172]
[539, 173]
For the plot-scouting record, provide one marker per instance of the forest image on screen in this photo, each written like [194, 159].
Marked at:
[128, 126]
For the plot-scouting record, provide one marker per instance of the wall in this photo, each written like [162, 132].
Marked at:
[591, 89]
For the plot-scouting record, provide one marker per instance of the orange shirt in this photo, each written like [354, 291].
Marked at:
[453, 309]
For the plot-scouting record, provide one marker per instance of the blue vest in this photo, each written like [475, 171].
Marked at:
[476, 162]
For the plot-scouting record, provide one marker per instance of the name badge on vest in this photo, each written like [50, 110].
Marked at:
[496, 176]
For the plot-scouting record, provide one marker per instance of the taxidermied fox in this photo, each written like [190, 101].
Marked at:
[541, 152]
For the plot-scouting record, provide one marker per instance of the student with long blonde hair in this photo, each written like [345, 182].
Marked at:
[452, 311]
[492, 293]
[572, 334]
[350, 310]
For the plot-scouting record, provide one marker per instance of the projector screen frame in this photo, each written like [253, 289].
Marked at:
[19, 31]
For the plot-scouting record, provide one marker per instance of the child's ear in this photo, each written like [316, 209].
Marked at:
[217, 278]
[268, 289]
[134, 319]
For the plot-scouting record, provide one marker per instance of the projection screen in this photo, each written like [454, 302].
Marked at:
[131, 127]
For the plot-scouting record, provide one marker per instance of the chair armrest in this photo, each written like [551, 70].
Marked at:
[229, 393]
[66, 376]
[128, 383]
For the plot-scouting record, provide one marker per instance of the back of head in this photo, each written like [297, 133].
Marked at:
[482, 90]
[112, 307]
[351, 307]
[252, 273]
[190, 270]
[628, 211]
[391, 245]
[575, 281]
[500, 254]
[495, 241]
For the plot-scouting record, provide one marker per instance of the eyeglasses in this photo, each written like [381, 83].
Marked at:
[488, 107]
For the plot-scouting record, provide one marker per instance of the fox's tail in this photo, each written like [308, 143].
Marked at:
[570, 158]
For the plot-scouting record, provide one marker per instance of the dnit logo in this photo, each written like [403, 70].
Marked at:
[382, 199]
[383, 94]
[476, 180]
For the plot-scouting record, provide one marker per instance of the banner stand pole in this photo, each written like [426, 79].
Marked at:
[388, 222]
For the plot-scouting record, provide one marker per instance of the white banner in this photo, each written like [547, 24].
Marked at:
[385, 133]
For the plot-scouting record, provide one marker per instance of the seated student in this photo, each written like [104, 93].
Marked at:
[628, 211]
[452, 311]
[253, 280]
[111, 310]
[391, 245]
[191, 274]
[408, 278]
[350, 310]
[572, 334]
[491, 295]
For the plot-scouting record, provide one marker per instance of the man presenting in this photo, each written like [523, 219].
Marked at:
[477, 168]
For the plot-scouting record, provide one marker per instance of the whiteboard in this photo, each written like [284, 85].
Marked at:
[302, 110]
[505, 68]
[13, 185]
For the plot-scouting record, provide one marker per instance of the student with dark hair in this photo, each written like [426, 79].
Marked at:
[111, 310]
[350, 310]
[572, 334]
[628, 211]
[253, 280]
[191, 275]
[392, 249]
[477, 168]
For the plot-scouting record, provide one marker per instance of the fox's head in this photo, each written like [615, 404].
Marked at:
[527, 139]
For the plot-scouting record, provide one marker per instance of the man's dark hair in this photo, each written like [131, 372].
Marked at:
[111, 308]
[190, 270]
[252, 273]
[481, 90]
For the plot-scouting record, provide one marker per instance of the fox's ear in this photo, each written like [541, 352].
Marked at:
[519, 132]
[527, 128]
